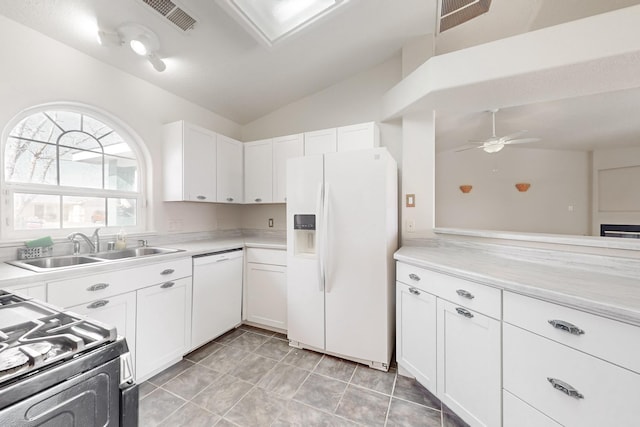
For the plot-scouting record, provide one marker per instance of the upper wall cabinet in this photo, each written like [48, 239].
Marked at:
[230, 175]
[189, 163]
[284, 148]
[258, 167]
[345, 138]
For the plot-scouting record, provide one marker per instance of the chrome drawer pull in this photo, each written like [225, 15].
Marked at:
[98, 304]
[465, 294]
[229, 199]
[167, 271]
[463, 312]
[414, 277]
[98, 287]
[414, 291]
[201, 197]
[565, 388]
[566, 326]
[167, 285]
[258, 200]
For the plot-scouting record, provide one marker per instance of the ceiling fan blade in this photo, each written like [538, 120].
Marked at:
[521, 141]
[468, 147]
[512, 136]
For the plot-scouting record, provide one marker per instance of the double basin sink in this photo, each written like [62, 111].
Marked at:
[67, 261]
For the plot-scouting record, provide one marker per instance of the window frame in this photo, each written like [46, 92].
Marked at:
[8, 189]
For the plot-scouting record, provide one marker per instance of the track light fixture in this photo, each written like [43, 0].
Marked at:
[140, 39]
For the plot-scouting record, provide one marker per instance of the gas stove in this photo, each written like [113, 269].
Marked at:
[50, 357]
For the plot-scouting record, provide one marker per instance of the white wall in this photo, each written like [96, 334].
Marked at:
[557, 202]
[36, 70]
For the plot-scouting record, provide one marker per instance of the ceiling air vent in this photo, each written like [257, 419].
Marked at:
[173, 13]
[456, 12]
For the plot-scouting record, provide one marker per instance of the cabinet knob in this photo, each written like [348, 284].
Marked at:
[463, 312]
[229, 199]
[566, 326]
[414, 291]
[98, 304]
[258, 199]
[565, 388]
[415, 277]
[465, 294]
[98, 287]
[167, 271]
[201, 197]
[167, 285]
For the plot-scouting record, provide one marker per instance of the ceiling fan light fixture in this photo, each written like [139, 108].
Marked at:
[158, 64]
[106, 38]
[139, 47]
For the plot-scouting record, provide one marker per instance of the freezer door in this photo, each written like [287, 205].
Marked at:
[360, 191]
[305, 293]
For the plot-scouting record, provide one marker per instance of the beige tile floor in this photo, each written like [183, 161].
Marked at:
[251, 377]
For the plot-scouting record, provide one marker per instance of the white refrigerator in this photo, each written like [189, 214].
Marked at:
[342, 231]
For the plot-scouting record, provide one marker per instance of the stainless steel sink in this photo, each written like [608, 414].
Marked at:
[133, 252]
[52, 263]
[69, 261]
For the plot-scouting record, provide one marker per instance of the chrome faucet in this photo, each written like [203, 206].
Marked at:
[94, 246]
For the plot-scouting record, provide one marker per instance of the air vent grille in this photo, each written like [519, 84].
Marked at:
[163, 7]
[461, 11]
[173, 13]
[182, 19]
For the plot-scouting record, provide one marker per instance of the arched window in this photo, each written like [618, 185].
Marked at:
[69, 168]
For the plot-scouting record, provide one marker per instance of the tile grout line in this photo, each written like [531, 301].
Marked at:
[393, 389]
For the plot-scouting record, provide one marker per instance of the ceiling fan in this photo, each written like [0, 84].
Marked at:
[494, 143]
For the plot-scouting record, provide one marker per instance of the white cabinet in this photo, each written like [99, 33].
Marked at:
[163, 325]
[284, 148]
[416, 333]
[449, 319]
[320, 142]
[33, 290]
[217, 295]
[358, 137]
[118, 311]
[189, 163]
[230, 176]
[267, 287]
[258, 167]
[469, 364]
[561, 361]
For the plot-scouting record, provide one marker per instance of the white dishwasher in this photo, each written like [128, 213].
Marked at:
[217, 295]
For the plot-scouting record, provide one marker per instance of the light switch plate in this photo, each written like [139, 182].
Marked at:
[411, 200]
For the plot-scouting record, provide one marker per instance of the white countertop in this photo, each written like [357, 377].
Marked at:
[14, 276]
[603, 285]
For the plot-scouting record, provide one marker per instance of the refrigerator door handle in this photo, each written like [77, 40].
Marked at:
[319, 242]
[325, 236]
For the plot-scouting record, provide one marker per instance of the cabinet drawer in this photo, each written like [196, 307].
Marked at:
[481, 298]
[70, 292]
[608, 339]
[516, 413]
[610, 394]
[267, 256]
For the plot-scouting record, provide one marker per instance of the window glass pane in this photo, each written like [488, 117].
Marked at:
[36, 211]
[78, 212]
[80, 140]
[114, 144]
[121, 212]
[27, 161]
[120, 174]
[37, 127]
[94, 127]
[80, 168]
[65, 119]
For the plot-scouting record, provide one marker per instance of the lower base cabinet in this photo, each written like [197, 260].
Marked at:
[517, 413]
[267, 287]
[163, 325]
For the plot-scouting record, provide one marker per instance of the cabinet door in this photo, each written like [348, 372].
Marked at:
[469, 364]
[118, 311]
[163, 326]
[320, 142]
[37, 291]
[416, 334]
[199, 164]
[267, 295]
[217, 297]
[258, 168]
[358, 137]
[229, 170]
[284, 148]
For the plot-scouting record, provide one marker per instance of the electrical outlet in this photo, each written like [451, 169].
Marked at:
[411, 225]
[270, 222]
